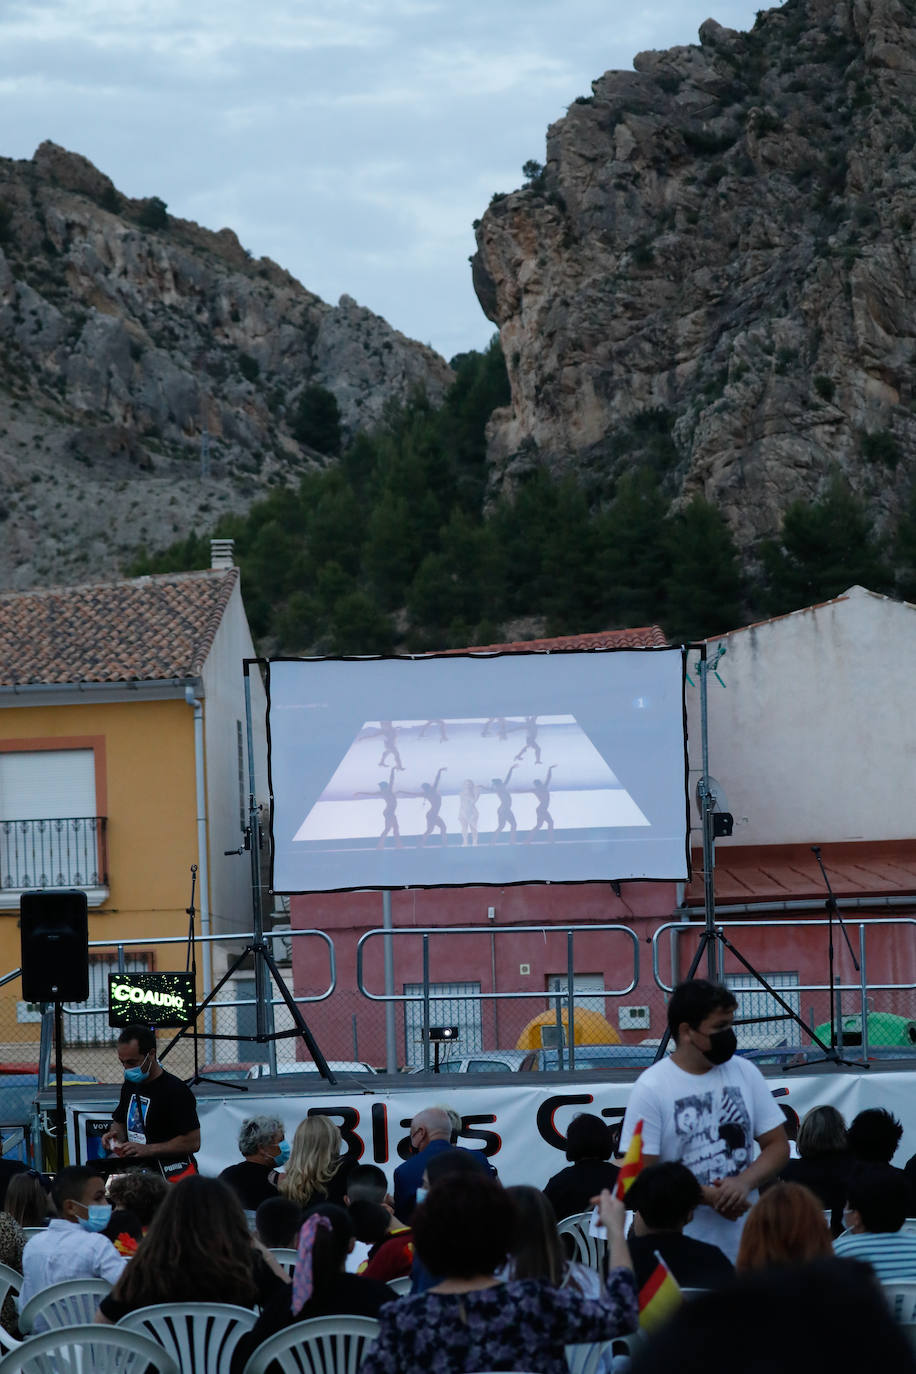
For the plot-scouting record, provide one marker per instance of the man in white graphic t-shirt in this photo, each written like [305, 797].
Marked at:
[705, 1108]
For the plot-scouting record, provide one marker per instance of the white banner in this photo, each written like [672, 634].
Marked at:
[521, 1127]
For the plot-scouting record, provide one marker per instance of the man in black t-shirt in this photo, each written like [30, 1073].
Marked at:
[156, 1116]
[663, 1197]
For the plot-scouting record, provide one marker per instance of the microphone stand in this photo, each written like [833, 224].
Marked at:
[833, 910]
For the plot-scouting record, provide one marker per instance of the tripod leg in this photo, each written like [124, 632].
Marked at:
[211, 995]
[773, 993]
[311, 1044]
[705, 939]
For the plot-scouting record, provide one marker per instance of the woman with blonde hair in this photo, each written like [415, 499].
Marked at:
[313, 1172]
[785, 1226]
[825, 1161]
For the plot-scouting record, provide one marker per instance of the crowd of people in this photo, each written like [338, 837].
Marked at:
[713, 1201]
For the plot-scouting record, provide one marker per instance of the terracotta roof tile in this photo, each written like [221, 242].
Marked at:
[646, 637]
[787, 873]
[144, 629]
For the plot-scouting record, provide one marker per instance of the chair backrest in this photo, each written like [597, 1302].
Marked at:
[401, 1285]
[285, 1258]
[588, 1357]
[72, 1303]
[322, 1345]
[200, 1336]
[10, 1282]
[901, 1294]
[79, 1349]
[589, 1249]
[908, 1228]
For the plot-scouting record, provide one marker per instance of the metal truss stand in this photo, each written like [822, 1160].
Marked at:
[713, 937]
[265, 969]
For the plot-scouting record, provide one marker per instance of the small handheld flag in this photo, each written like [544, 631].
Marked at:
[632, 1164]
[659, 1297]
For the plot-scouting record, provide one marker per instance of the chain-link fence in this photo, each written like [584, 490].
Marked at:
[377, 999]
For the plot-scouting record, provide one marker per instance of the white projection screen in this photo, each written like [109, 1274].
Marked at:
[454, 770]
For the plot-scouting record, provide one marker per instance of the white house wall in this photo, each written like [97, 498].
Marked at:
[814, 735]
[224, 706]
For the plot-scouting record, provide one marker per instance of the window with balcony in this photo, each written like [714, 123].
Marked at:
[50, 832]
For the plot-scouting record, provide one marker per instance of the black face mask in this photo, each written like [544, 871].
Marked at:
[722, 1045]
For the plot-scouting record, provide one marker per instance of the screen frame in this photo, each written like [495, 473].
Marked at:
[264, 666]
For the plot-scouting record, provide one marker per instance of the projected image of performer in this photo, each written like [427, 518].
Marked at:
[389, 814]
[499, 724]
[430, 792]
[541, 790]
[468, 815]
[531, 739]
[389, 734]
[504, 815]
[443, 733]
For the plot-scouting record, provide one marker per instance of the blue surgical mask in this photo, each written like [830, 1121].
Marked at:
[98, 1218]
[138, 1074]
[282, 1155]
[421, 1194]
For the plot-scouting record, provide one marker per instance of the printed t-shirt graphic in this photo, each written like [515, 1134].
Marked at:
[715, 1134]
[135, 1124]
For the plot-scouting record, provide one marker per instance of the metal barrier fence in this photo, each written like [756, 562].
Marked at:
[397, 984]
[560, 1001]
[871, 1011]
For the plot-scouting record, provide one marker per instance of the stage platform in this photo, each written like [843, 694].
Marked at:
[519, 1118]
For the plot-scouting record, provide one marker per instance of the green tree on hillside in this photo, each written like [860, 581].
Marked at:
[824, 547]
[704, 586]
[316, 420]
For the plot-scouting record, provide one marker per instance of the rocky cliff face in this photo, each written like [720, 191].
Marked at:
[120, 343]
[715, 272]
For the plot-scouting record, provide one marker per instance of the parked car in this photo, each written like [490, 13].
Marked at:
[590, 1057]
[482, 1061]
[337, 1066]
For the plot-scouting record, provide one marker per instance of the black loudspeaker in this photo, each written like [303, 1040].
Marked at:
[54, 927]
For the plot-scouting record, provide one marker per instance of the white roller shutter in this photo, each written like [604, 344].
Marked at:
[45, 783]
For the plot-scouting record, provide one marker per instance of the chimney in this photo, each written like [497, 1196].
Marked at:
[221, 553]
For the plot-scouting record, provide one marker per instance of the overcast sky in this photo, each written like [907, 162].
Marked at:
[354, 141]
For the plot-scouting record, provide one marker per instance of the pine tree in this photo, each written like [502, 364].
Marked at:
[703, 588]
[823, 548]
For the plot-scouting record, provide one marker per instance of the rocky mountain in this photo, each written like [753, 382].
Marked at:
[130, 343]
[715, 272]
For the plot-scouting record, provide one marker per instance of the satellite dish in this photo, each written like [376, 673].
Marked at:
[716, 792]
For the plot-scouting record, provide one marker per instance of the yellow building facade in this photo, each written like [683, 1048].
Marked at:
[123, 763]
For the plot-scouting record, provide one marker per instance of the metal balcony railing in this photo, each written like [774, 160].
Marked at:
[61, 851]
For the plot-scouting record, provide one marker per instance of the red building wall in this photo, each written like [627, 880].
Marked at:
[494, 955]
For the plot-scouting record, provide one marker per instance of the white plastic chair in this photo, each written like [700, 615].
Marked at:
[321, 1345]
[589, 1249]
[585, 1357]
[10, 1282]
[901, 1295]
[285, 1258]
[72, 1303]
[88, 1350]
[400, 1286]
[200, 1336]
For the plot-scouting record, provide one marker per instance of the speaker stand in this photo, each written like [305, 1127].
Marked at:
[60, 1122]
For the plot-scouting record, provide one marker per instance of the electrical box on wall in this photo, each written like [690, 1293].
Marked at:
[633, 1018]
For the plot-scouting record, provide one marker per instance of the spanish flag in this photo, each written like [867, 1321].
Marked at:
[632, 1163]
[659, 1297]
